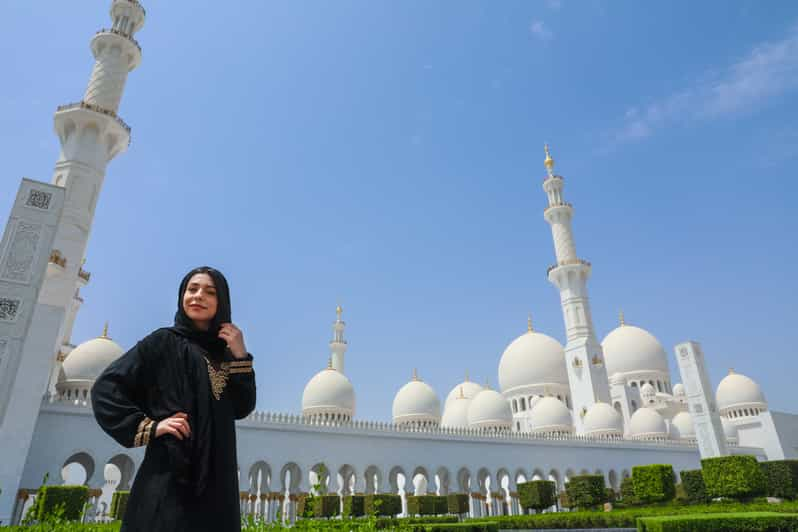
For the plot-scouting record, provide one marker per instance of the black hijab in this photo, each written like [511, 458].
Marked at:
[184, 326]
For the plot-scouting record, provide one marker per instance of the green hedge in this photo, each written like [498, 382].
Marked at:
[781, 477]
[737, 477]
[653, 483]
[427, 505]
[73, 498]
[393, 523]
[586, 491]
[385, 504]
[64, 527]
[753, 521]
[693, 483]
[457, 503]
[354, 505]
[628, 491]
[537, 494]
[326, 505]
[461, 527]
[119, 503]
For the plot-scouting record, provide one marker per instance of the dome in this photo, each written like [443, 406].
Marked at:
[416, 402]
[630, 349]
[455, 413]
[532, 358]
[737, 391]
[470, 389]
[550, 415]
[682, 427]
[648, 392]
[678, 390]
[329, 392]
[646, 424]
[729, 430]
[89, 359]
[602, 419]
[490, 410]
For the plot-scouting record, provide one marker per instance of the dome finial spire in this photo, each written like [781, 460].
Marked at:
[548, 162]
[621, 318]
[105, 331]
[415, 374]
[466, 375]
[339, 311]
[731, 371]
[529, 323]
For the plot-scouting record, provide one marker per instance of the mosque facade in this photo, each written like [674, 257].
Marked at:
[560, 410]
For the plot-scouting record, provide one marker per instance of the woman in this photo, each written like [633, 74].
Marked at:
[178, 392]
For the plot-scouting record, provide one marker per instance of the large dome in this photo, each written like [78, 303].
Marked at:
[550, 415]
[490, 410]
[630, 349]
[416, 403]
[532, 358]
[455, 413]
[647, 424]
[329, 393]
[89, 359]
[602, 420]
[470, 389]
[737, 392]
[682, 427]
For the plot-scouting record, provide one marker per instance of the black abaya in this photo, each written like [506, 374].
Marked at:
[163, 374]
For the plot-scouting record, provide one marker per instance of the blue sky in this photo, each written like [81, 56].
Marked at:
[388, 156]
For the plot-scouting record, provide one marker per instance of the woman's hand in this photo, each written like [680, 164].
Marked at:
[234, 338]
[177, 426]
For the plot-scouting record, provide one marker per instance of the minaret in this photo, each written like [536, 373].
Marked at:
[587, 375]
[90, 134]
[338, 344]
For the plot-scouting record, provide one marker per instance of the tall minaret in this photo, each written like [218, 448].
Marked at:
[338, 344]
[587, 375]
[90, 134]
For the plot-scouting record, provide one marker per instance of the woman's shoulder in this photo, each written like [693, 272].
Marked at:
[157, 341]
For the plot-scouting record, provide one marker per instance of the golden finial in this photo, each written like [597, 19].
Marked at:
[731, 371]
[105, 331]
[466, 376]
[529, 323]
[621, 318]
[339, 311]
[548, 162]
[415, 374]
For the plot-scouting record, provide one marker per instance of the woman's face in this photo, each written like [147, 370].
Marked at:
[199, 300]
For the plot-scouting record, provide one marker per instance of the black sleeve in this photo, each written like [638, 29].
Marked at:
[115, 398]
[241, 386]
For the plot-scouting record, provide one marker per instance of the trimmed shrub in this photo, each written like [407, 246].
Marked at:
[304, 505]
[457, 503]
[537, 494]
[354, 506]
[427, 505]
[118, 504]
[385, 504]
[760, 521]
[628, 491]
[565, 500]
[738, 477]
[73, 498]
[781, 478]
[394, 523]
[326, 505]
[693, 484]
[586, 491]
[461, 527]
[653, 483]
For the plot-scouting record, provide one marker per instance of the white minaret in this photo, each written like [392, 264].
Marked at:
[587, 375]
[338, 344]
[91, 134]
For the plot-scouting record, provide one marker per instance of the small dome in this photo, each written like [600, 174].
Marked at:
[532, 358]
[647, 391]
[89, 359]
[630, 349]
[647, 424]
[329, 392]
[729, 430]
[416, 403]
[678, 390]
[534, 400]
[602, 419]
[550, 415]
[470, 389]
[682, 427]
[455, 413]
[490, 410]
[737, 391]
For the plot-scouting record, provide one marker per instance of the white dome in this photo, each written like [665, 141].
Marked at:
[329, 392]
[550, 415]
[646, 423]
[532, 358]
[455, 413]
[490, 410]
[630, 349]
[416, 402]
[647, 391]
[89, 359]
[470, 389]
[602, 419]
[737, 391]
[678, 390]
[729, 430]
[682, 427]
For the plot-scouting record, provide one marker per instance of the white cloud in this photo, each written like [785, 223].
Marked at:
[768, 70]
[539, 30]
